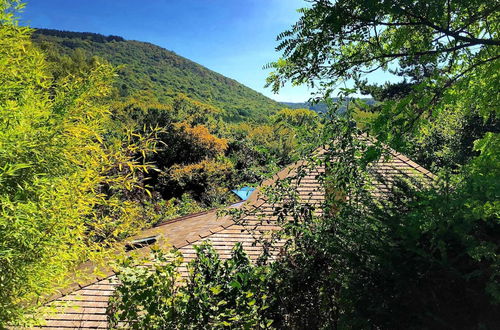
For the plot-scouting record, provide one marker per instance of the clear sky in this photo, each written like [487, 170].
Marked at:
[233, 37]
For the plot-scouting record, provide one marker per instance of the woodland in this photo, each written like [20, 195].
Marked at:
[101, 137]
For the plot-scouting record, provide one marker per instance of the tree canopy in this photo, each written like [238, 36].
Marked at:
[447, 53]
[338, 40]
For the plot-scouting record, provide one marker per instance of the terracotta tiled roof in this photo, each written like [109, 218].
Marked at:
[88, 301]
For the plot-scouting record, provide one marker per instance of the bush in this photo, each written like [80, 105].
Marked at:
[216, 294]
[61, 181]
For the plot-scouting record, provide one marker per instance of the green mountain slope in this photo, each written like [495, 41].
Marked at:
[147, 67]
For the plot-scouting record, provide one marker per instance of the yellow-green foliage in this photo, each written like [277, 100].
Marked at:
[290, 131]
[363, 118]
[200, 138]
[208, 176]
[195, 112]
[296, 117]
[60, 180]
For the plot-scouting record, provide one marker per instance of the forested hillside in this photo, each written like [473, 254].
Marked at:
[155, 70]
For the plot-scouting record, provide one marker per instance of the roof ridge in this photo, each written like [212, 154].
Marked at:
[412, 164]
[184, 217]
[401, 157]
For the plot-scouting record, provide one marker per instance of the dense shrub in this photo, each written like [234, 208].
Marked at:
[216, 294]
[62, 184]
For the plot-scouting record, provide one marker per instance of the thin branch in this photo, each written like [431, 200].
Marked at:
[479, 15]
[422, 53]
[461, 74]
[439, 92]
[448, 5]
[454, 34]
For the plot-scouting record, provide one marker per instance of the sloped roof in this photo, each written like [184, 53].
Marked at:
[89, 300]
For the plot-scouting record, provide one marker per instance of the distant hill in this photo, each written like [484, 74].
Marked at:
[320, 107]
[148, 67]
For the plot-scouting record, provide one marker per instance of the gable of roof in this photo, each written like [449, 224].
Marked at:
[84, 305]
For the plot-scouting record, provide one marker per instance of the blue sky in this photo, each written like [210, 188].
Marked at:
[232, 37]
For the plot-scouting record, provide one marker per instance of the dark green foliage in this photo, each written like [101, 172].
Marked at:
[440, 149]
[425, 257]
[217, 294]
[146, 67]
[96, 37]
[419, 257]
[446, 52]
[447, 139]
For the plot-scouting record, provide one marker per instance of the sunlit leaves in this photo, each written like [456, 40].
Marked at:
[61, 180]
[217, 293]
